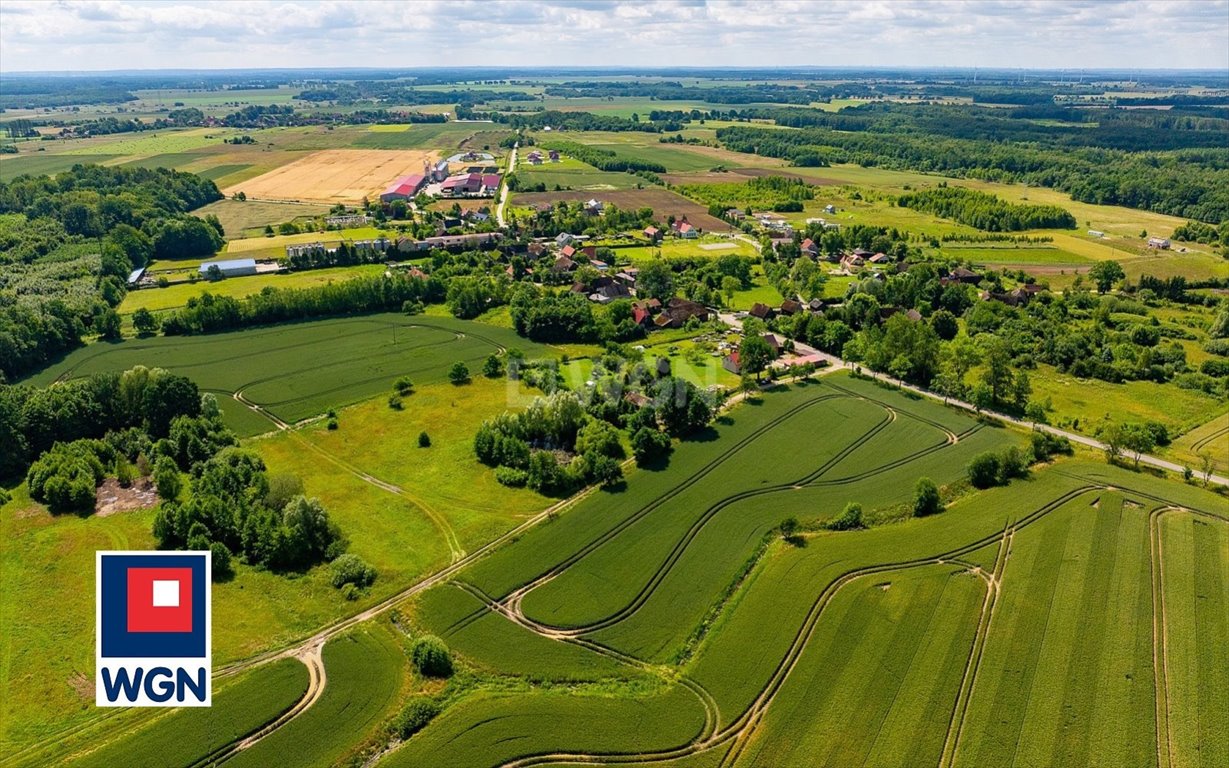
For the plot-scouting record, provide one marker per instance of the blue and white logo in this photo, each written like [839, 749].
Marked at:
[153, 629]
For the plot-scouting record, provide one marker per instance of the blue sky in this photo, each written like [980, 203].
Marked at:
[131, 34]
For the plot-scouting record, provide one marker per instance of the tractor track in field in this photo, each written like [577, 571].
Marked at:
[811, 480]
[1203, 442]
[738, 734]
[514, 598]
[712, 716]
[1160, 627]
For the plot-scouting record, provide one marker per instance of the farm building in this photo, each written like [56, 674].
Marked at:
[554, 155]
[962, 275]
[348, 220]
[135, 276]
[490, 183]
[462, 184]
[450, 242]
[762, 311]
[403, 189]
[809, 247]
[678, 311]
[1095, 233]
[230, 267]
[1159, 243]
[534, 158]
[439, 171]
[651, 233]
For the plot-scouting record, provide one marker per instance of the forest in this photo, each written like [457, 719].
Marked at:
[68, 243]
[985, 211]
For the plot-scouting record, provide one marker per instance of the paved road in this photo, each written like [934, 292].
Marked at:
[835, 363]
[503, 188]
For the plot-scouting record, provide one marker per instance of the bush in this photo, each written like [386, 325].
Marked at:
[5, 497]
[926, 500]
[493, 368]
[415, 717]
[984, 470]
[1012, 463]
[458, 373]
[223, 568]
[352, 569]
[424, 440]
[332, 423]
[403, 386]
[1045, 445]
[65, 477]
[431, 657]
[849, 520]
[394, 402]
[350, 592]
[511, 476]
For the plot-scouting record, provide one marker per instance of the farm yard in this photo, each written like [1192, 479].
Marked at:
[334, 176]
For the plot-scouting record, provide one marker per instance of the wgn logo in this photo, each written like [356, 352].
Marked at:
[153, 629]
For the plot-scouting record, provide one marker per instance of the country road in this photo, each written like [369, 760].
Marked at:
[835, 364]
[503, 188]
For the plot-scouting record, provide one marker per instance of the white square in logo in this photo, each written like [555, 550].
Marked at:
[166, 594]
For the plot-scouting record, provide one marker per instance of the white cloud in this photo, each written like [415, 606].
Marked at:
[131, 34]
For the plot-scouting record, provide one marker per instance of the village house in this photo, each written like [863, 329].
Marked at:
[554, 155]
[677, 312]
[563, 264]
[762, 311]
[851, 262]
[348, 220]
[594, 207]
[961, 275]
[652, 233]
[563, 238]
[534, 158]
[683, 228]
[809, 248]
[790, 307]
[627, 276]
[450, 242]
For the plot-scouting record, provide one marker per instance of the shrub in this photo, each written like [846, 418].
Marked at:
[1012, 463]
[220, 556]
[493, 368]
[332, 423]
[415, 716]
[394, 402]
[849, 520]
[65, 477]
[424, 440]
[984, 470]
[5, 497]
[403, 386]
[283, 486]
[166, 478]
[431, 657]
[352, 569]
[1045, 445]
[458, 373]
[511, 476]
[350, 592]
[926, 500]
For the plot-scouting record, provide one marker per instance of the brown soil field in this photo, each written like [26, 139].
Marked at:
[663, 202]
[334, 175]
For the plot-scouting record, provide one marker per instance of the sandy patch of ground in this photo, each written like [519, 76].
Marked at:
[335, 175]
[112, 498]
[717, 246]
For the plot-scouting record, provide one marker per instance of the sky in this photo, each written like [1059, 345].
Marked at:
[76, 35]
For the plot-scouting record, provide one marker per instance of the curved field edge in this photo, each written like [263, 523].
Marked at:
[366, 671]
[241, 706]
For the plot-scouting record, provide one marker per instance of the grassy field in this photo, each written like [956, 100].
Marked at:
[12, 166]
[241, 705]
[177, 295]
[352, 359]
[239, 217]
[573, 174]
[1083, 404]
[367, 669]
[1208, 439]
[44, 690]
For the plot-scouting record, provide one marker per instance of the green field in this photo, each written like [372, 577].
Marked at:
[573, 174]
[351, 359]
[38, 164]
[241, 706]
[239, 217]
[177, 295]
[367, 669]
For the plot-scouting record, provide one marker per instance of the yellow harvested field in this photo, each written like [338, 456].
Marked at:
[335, 175]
